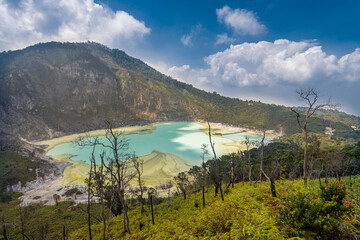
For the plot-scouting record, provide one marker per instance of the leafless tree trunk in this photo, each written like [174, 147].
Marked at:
[65, 230]
[56, 199]
[89, 199]
[203, 195]
[139, 167]
[152, 210]
[22, 223]
[100, 182]
[205, 152]
[112, 195]
[262, 155]
[117, 164]
[3, 228]
[217, 170]
[247, 143]
[232, 170]
[262, 172]
[43, 231]
[272, 184]
[310, 96]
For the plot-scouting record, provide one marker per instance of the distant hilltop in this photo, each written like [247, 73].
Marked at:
[52, 89]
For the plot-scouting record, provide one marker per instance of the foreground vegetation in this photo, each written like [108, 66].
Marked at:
[42, 222]
[328, 208]
[249, 212]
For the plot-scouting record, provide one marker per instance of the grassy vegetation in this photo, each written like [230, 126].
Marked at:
[15, 168]
[44, 222]
[248, 212]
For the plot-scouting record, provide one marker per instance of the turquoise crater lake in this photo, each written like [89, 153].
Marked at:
[183, 139]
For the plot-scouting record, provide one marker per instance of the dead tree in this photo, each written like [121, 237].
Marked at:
[247, 143]
[3, 228]
[205, 152]
[99, 188]
[43, 229]
[243, 165]
[218, 179]
[151, 193]
[65, 228]
[262, 155]
[182, 182]
[310, 96]
[89, 197]
[272, 184]
[22, 223]
[139, 168]
[88, 141]
[118, 166]
[56, 199]
[262, 172]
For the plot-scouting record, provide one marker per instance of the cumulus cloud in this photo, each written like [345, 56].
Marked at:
[242, 21]
[188, 38]
[271, 71]
[223, 39]
[33, 21]
[271, 63]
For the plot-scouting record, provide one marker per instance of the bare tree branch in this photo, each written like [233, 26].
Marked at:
[310, 96]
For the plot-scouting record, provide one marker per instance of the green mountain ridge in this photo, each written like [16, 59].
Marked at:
[53, 89]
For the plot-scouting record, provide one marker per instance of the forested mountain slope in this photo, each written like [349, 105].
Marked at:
[52, 89]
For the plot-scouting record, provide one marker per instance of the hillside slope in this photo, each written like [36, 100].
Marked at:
[53, 89]
[248, 212]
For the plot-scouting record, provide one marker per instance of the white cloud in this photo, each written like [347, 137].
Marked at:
[350, 66]
[271, 63]
[242, 21]
[187, 38]
[224, 38]
[33, 21]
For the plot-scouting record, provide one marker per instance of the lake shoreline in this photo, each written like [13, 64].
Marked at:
[75, 173]
[77, 166]
[149, 128]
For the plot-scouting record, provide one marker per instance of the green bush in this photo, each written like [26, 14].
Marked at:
[335, 191]
[306, 214]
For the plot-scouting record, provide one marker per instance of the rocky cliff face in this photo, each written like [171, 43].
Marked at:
[51, 89]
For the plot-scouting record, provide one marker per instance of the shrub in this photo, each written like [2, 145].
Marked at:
[335, 191]
[306, 214]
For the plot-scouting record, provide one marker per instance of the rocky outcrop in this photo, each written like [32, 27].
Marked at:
[53, 89]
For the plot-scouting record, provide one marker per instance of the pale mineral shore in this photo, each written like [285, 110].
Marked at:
[220, 127]
[158, 167]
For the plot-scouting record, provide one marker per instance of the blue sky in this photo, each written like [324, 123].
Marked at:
[333, 23]
[261, 50]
